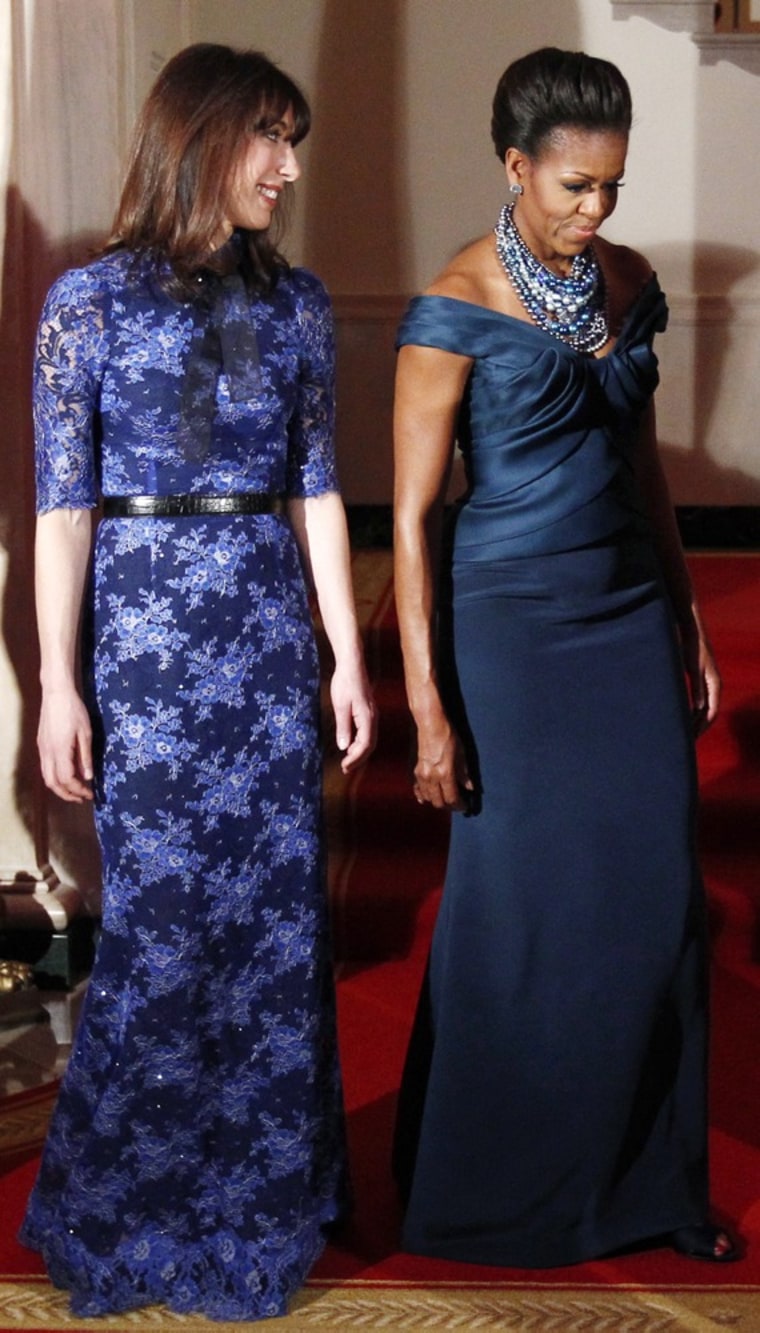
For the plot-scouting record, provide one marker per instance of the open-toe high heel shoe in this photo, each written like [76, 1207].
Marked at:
[708, 1241]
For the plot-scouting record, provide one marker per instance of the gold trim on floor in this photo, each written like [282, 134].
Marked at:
[34, 1305]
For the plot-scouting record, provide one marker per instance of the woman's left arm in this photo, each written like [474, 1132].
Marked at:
[319, 523]
[699, 662]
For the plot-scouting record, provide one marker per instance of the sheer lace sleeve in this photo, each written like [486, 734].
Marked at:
[311, 448]
[69, 360]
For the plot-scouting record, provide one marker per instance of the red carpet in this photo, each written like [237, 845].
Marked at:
[385, 876]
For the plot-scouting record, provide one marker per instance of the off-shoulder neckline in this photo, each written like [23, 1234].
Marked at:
[650, 284]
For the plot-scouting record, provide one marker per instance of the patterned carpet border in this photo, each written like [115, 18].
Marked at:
[33, 1304]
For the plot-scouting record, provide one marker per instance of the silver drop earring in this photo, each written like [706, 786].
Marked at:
[516, 188]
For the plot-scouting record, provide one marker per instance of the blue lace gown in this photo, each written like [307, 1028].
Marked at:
[553, 1105]
[196, 1152]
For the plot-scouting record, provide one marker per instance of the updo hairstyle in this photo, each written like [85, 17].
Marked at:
[550, 90]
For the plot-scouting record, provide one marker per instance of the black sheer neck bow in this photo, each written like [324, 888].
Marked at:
[223, 342]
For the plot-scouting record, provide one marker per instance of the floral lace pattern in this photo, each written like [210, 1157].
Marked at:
[197, 1151]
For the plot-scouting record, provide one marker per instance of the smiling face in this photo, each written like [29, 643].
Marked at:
[568, 191]
[265, 167]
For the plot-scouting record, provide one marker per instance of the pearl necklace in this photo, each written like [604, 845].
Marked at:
[572, 308]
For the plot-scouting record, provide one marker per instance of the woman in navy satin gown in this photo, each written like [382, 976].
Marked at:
[553, 1106]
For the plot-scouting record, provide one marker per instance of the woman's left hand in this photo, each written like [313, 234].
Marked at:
[355, 715]
[703, 676]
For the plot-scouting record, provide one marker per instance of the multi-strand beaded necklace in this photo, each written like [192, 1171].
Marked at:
[573, 308]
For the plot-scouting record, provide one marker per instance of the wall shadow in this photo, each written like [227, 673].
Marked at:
[364, 188]
[23, 236]
[62, 156]
[697, 475]
[357, 219]
[30, 263]
[356, 204]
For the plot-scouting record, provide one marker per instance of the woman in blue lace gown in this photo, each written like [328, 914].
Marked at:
[185, 379]
[553, 1103]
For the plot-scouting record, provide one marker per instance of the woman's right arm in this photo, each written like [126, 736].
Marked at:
[71, 352]
[429, 388]
[64, 738]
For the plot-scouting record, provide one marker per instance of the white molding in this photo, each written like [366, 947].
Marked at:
[61, 905]
[44, 909]
[741, 48]
[127, 76]
[369, 308]
[31, 900]
[696, 309]
[150, 35]
[41, 880]
[686, 307]
[693, 16]
[185, 23]
[697, 18]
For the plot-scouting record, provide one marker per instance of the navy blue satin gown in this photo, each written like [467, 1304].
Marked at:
[553, 1102]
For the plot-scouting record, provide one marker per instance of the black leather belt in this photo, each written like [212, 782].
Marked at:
[173, 506]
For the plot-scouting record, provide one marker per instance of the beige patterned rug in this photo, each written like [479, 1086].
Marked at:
[32, 1304]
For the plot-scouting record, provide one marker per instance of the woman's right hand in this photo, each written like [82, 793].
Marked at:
[64, 741]
[64, 736]
[441, 778]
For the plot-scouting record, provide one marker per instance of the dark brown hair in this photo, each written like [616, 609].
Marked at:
[549, 90]
[205, 103]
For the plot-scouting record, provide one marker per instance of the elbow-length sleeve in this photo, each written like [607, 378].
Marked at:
[69, 358]
[311, 432]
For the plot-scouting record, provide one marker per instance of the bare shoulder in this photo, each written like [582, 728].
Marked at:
[465, 278]
[436, 372]
[626, 272]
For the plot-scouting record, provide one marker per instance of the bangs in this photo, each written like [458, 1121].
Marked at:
[278, 95]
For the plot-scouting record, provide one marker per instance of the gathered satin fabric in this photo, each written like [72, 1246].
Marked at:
[553, 1101]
